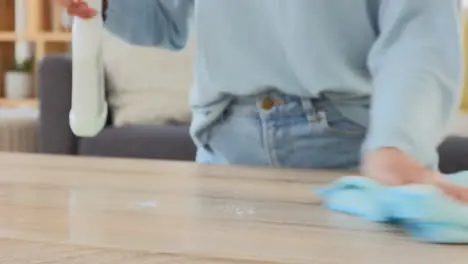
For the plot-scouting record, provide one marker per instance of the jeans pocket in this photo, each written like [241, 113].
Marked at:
[334, 122]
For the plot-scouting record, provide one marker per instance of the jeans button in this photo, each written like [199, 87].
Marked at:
[267, 103]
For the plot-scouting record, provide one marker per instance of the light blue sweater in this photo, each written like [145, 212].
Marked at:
[404, 54]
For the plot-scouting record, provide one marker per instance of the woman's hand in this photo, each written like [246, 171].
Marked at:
[78, 8]
[392, 167]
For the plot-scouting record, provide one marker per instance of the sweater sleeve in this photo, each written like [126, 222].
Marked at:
[416, 66]
[161, 23]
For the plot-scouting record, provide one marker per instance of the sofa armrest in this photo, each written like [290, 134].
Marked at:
[55, 83]
[453, 154]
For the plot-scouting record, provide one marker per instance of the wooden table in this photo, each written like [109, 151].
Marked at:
[95, 211]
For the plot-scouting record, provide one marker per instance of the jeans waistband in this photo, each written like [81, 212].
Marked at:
[270, 103]
[356, 108]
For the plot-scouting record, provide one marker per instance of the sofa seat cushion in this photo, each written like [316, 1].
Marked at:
[171, 142]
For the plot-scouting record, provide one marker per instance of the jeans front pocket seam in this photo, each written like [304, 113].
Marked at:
[338, 132]
[330, 129]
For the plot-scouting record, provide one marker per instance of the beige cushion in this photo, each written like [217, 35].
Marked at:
[147, 85]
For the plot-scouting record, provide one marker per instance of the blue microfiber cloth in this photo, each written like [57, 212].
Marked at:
[423, 211]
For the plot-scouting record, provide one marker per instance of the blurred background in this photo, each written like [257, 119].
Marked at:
[34, 31]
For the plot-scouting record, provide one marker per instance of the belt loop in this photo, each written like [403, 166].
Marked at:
[309, 109]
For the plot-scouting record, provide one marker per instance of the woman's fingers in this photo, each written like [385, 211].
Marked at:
[394, 169]
[81, 9]
[457, 192]
[78, 8]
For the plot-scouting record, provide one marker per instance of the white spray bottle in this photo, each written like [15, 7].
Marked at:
[88, 112]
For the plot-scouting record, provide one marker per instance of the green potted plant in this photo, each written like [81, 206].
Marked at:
[19, 81]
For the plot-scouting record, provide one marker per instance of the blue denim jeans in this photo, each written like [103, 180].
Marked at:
[278, 130]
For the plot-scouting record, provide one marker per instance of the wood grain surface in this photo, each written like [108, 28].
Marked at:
[57, 209]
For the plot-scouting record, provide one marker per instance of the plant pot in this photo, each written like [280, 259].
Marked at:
[18, 85]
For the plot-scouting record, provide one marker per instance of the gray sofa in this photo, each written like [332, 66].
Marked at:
[140, 141]
[171, 141]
